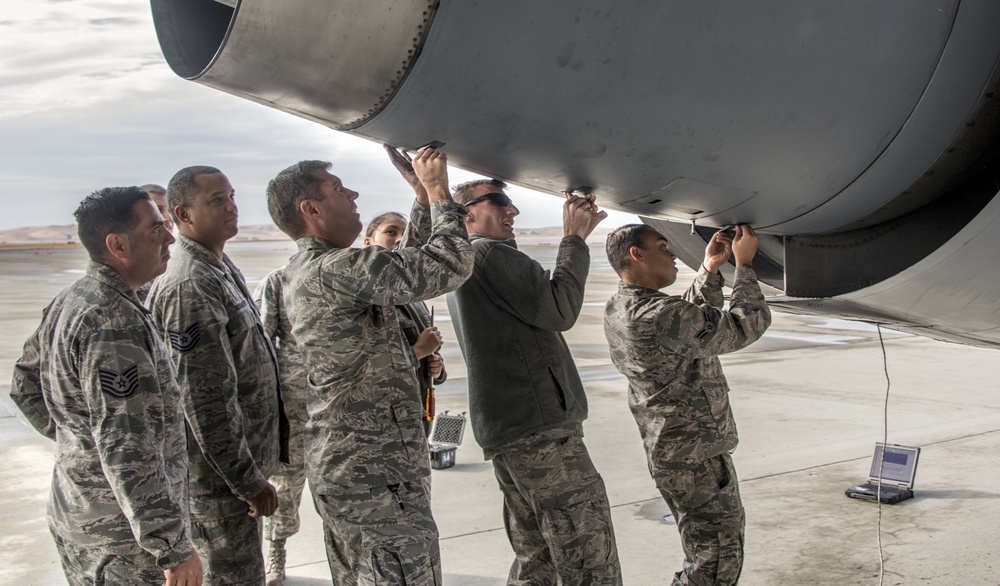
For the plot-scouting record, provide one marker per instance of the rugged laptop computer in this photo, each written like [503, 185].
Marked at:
[898, 467]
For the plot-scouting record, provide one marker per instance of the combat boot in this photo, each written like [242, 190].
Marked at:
[275, 566]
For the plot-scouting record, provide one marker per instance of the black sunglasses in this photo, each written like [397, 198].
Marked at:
[495, 198]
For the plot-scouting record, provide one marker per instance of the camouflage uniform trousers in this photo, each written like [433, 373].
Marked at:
[383, 536]
[98, 567]
[291, 477]
[227, 539]
[704, 498]
[556, 514]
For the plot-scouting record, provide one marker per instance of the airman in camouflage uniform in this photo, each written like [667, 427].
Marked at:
[390, 230]
[668, 348]
[228, 376]
[526, 400]
[290, 478]
[96, 377]
[366, 453]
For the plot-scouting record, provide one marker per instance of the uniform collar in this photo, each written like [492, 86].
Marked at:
[315, 243]
[111, 278]
[199, 252]
[638, 290]
[509, 241]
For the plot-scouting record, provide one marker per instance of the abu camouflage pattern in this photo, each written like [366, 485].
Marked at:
[227, 372]
[97, 378]
[556, 512]
[289, 480]
[365, 433]
[226, 369]
[704, 498]
[364, 409]
[668, 348]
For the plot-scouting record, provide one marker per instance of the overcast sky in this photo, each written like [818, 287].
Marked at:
[87, 101]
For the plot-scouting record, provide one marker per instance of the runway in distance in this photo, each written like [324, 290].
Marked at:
[859, 138]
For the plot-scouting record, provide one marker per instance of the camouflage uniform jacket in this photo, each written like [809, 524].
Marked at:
[97, 378]
[362, 393]
[226, 369]
[508, 316]
[277, 326]
[668, 348]
[415, 317]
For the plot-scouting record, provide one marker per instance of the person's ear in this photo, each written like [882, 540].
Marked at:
[117, 245]
[635, 254]
[182, 214]
[308, 208]
[367, 241]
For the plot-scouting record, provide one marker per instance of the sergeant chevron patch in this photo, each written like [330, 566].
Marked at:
[185, 341]
[119, 384]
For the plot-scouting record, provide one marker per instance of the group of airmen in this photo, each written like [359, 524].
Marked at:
[186, 409]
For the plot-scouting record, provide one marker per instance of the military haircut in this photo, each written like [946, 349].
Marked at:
[288, 189]
[152, 188]
[107, 211]
[462, 193]
[620, 241]
[379, 219]
[181, 189]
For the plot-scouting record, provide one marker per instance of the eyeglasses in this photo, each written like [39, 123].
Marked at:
[495, 198]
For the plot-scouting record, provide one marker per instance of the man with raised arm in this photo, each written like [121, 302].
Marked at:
[366, 452]
[526, 399]
[668, 348]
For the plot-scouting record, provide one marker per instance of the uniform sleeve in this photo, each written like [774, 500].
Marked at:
[706, 289]
[375, 276]
[26, 389]
[196, 322]
[267, 296]
[418, 230]
[519, 285]
[128, 421]
[701, 331]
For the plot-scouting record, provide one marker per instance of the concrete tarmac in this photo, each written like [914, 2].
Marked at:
[809, 401]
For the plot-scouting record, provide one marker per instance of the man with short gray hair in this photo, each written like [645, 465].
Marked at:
[96, 377]
[366, 453]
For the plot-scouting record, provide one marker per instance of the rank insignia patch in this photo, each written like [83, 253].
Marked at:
[119, 384]
[185, 341]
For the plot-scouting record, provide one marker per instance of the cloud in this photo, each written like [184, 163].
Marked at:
[89, 102]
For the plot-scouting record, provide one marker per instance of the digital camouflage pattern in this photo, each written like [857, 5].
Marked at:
[227, 372]
[97, 378]
[394, 528]
[556, 513]
[704, 498]
[415, 317]
[668, 348]
[290, 478]
[364, 431]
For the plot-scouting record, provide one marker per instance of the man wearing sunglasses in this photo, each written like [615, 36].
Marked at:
[526, 400]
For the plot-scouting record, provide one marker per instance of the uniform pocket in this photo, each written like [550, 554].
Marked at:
[398, 554]
[579, 531]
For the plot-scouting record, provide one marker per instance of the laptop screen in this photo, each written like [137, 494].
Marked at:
[900, 463]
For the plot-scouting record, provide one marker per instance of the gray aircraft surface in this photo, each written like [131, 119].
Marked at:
[859, 137]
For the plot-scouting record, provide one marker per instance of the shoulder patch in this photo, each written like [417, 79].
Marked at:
[185, 341]
[119, 384]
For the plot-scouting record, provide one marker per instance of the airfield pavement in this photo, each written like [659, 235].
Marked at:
[808, 400]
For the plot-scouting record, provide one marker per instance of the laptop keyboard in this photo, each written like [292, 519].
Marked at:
[885, 489]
